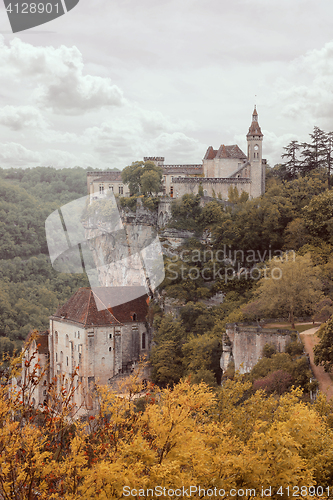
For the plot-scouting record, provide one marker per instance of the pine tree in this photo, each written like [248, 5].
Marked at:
[291, 167]
[314, 153]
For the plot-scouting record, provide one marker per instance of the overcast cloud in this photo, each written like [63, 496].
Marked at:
[113, 81]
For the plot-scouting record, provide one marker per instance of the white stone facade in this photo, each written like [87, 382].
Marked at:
[225, 163]
[88, 346]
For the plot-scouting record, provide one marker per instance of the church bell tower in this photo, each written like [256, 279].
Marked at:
[254, 153]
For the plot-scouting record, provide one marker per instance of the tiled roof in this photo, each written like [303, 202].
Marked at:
[225, 152]
[113, 302]
[81, 308]
[124, 301]
[255, 129]
[210, 153]
[109, 177]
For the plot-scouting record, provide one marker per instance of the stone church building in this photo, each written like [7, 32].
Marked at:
[222, 168]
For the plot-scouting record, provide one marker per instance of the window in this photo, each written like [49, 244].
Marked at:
[56, 357]
[61, 356]
[110, 349]
[67, 341]
[56, 337]
[134, 317]
[171, 192]
[67, 360]
[110, 335]
[121, 189]
[101, 189]
[111, 187]
[143, 340]
[78, 335]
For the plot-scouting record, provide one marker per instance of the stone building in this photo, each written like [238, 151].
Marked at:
[244, 345]
[91, 343]
[221, 169]
[100, 341]
[227, 167]
[99, 183]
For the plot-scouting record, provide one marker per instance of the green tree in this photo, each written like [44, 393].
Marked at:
[290, 167]
[314, 153]
[289, 286]
[318, 215]
[142, 177]
[150, 182]
[186, 212]
[166, 356]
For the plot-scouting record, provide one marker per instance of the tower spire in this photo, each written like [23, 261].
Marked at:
[255, 130]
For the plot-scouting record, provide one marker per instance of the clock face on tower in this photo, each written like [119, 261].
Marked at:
[256, 147]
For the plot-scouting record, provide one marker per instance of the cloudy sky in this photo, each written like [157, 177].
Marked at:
[115, 80]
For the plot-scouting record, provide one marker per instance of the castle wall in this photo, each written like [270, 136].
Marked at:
[210, 185]
[247, 344]
[221, 167]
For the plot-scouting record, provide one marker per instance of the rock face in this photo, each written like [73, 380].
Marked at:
[245, 345]
[121, 248]
[120, 259]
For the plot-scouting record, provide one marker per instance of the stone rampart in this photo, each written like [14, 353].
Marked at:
[211, 186]
[245, 344]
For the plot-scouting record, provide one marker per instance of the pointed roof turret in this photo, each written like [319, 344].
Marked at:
[254, 127]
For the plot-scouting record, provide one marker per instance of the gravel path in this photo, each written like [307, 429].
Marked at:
[310, 339]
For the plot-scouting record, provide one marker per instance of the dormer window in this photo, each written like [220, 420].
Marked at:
[134, 317]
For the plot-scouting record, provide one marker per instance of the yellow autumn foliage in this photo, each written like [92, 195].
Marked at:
[178, 438]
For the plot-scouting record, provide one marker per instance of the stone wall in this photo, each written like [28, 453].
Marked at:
[210, 186]
[247, 344]
[221, 167]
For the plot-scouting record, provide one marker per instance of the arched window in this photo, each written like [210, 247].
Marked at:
[134, 318]
[143, 340]
[56, 337]
[67, 341]
[61, 356]
[110, 349]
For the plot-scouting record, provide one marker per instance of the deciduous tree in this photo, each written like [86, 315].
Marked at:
[289, 286]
